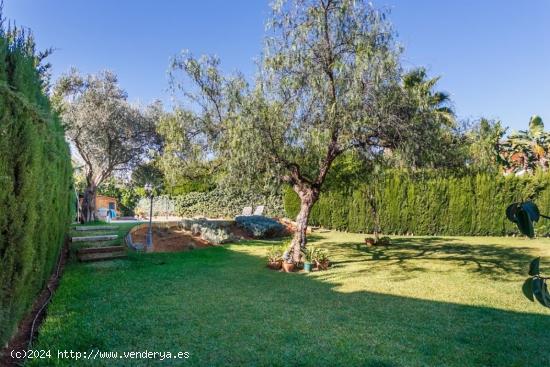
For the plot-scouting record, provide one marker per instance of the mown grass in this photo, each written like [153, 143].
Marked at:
[433, 301]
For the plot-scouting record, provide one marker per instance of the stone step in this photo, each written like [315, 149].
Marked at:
[95, 228]
[91, 250]
[94, 238]
[101, 256]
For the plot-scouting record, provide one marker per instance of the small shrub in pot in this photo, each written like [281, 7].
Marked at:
[321, 259]
[275, 257]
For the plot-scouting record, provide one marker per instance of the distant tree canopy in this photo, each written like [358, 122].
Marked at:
[108, 133]
[124, 192]
[436, 141]
[330, 82]
[483, 144]
[147, 173]
[183, 158]
[526, 150]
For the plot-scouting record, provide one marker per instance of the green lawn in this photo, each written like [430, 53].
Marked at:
[433, 301]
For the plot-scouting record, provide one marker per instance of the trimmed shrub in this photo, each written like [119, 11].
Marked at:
[259, 226]
[429, 204]
[36, 195]
[213, 231]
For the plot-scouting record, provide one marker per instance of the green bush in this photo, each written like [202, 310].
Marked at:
[218, 203]
[429, 204]
[36, 196]
[259, 226]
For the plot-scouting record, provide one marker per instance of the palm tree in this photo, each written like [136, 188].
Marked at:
[438, 103]
[430, 111]
[527, 150]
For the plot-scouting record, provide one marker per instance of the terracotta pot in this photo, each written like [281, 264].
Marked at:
[288, 267]
[323, 265]
[275, 265]
[369, 241]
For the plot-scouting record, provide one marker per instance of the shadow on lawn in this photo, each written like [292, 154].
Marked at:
[490, 260]
[226, 308]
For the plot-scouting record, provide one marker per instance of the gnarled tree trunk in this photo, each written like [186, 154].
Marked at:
[308, 196]
[88, 204]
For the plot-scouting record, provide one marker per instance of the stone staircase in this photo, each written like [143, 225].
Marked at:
[99, 252]
[94, 228]
[106, 237]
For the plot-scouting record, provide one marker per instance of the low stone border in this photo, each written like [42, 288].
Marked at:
[136, 246]
[95, 238]
[95, 228]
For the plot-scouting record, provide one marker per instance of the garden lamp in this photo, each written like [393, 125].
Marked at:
[149, 238]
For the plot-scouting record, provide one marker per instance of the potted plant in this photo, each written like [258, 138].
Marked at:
[309, 257]
[384, 241]
[322, 261]
[275, 258]
[370, 241]
[288, 267]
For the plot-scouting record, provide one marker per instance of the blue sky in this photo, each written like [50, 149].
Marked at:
[493, 55]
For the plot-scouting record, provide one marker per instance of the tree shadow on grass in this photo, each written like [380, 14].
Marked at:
[490, 260]
[237, 312]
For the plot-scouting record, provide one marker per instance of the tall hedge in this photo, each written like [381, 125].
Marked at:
[429, 204]
[35, 181]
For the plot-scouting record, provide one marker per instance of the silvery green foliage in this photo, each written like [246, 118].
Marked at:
[217, 236]
[195, 229]
[185, 150]
[329, 81]
[259, 226]
[222, 231]
[213, 231]
[325, 66]
[108, 133]
[190, 223]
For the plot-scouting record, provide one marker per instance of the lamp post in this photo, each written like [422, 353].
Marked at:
[149, 240]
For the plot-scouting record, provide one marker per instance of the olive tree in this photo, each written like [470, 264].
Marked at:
[108, 133]
[183, 157]
[329, 82]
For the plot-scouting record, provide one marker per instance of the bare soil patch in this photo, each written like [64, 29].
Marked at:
[170, 239]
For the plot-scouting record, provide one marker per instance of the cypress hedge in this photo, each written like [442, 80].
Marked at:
[35, 180]
[428, 204]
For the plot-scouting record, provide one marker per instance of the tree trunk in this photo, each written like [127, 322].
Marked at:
[308, 197]
[376, 218]
[88, 204]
